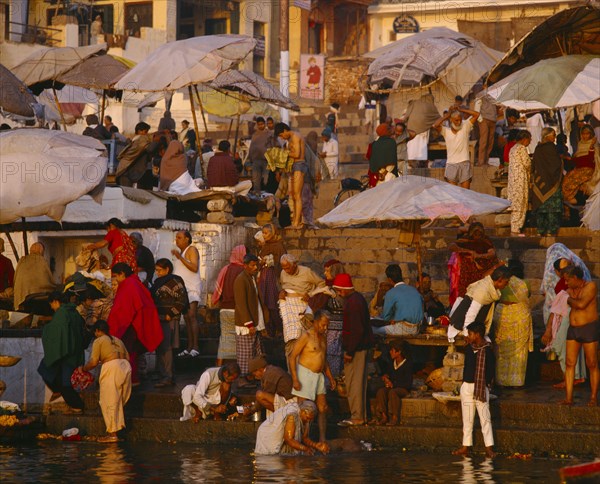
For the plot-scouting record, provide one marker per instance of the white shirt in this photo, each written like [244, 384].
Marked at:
[331, 150]
[192, 280]
[457, 144]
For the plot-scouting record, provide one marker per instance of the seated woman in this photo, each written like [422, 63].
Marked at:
[174, 174]
[473, 258]
[583, 160]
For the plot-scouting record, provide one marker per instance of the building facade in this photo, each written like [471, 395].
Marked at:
[498, 24]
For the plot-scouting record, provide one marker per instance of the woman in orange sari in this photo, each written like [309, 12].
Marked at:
[474, 257]
[119, 244]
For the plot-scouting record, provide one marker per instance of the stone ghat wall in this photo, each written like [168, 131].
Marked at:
[366, 252]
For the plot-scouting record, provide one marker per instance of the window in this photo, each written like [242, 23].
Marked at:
[258, 59]
[215, 26]
[106, 12]
[137, 15]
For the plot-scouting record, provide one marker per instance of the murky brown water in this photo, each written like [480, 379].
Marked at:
[51, 461]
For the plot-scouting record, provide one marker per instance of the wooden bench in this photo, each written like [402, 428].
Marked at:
[428, 340]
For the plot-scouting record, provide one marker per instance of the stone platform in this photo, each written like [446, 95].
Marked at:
[526, 421]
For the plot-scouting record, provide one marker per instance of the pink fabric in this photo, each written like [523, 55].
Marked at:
[237, 259]
[454, 273]
[558, 310]
[444, 209]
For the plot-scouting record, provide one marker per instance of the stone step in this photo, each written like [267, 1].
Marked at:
[579, 440]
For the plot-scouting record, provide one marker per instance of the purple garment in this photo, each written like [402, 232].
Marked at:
[307, 204]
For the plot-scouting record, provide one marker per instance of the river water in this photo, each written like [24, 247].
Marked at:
[52, 461]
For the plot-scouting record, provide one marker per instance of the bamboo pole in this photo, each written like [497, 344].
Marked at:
[12, 245]
[237, 130]
[26, 248]
[195, 122]
[103, 106]
[201, 111]
[229, 130]
[62, 116]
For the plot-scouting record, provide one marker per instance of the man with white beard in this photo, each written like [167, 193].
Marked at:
[458, 165]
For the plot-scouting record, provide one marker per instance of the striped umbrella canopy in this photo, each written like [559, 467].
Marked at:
[560, 82]
[15, 98]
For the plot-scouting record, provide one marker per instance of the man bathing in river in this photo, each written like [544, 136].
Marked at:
[287, 431]
[584, 329]
[308, 362]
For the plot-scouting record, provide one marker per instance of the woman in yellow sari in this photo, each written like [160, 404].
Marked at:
[513, 329]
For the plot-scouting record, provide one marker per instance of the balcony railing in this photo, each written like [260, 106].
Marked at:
[33, 34]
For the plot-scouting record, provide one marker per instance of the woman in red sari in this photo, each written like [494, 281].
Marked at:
[474, 257]
[119, 244]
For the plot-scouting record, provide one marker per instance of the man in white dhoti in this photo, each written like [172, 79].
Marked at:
[211, 394]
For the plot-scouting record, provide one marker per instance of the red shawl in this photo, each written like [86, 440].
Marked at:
[237, 259]
[133, 306]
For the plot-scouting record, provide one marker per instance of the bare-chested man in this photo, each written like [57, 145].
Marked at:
[308, 362]
[299, 169]
[584, 329]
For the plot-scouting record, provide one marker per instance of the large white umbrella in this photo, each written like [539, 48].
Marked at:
[412, 198]
[187, 62]
[435, 55]
[46, 65]
[44, 170]
[551, 83]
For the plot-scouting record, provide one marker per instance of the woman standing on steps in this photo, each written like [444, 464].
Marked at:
[513, 330]
[519, 170]
[115, 378]
[558, 256]
[546, 195]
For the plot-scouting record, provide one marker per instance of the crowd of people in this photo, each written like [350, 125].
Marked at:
[281, 166]
[547, 174]
[328, 329]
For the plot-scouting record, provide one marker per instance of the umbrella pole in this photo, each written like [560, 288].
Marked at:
[419, 257]
[201, 111]
[194, 117]
[12, 245]
[26, 248]
[237, 130]
[229, 130]
[62, 116]
[103, 106]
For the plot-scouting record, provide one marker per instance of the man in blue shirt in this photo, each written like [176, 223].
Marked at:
[402, 306]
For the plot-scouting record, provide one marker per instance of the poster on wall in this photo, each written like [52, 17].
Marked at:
[312, 76]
